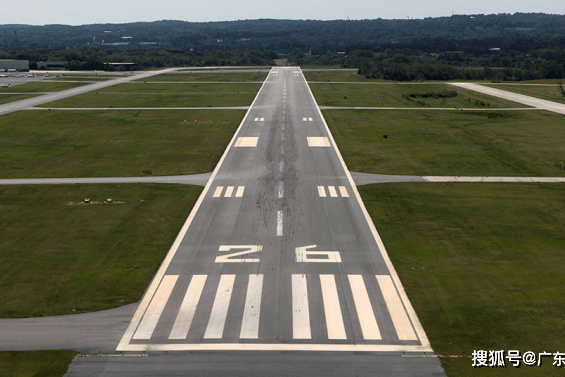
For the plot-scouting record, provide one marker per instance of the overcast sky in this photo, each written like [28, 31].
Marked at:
[40, 12]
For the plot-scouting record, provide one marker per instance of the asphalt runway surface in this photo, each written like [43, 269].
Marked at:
[277, 271]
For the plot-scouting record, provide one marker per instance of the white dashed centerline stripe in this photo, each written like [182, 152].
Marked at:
[332, 309]
[279, 223]
[365, 313]
[300, 310]
[399, 317]
[153, 313]
[281, 167]
[188, 308]
[252, 311]
[215, 329]
[281, 190]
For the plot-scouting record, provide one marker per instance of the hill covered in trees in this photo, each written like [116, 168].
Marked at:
[524, 45]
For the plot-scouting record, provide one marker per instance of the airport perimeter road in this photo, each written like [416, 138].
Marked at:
[278, 270]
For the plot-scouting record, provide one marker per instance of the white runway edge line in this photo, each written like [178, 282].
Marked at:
[425, 347]
[150, 292]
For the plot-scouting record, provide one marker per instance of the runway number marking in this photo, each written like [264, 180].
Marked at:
[303, 255]
[248, 249]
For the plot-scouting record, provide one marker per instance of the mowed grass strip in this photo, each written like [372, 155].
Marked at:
[36, 144]
[60, 256]
[165, 95]
[7, 98]
[42, 87]
[391, 95]
[240, 76]
[472, 143]
[481, 263]
[35, 363]
[544, 91]
[335, 76]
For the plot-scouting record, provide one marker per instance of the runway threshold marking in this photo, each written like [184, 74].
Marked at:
[300, 309]
[400, 320]
[188, 307]
[332, 309]
[156, 307]
[217, 321]
[252, 311]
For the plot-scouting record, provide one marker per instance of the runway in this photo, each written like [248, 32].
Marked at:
[278, 253]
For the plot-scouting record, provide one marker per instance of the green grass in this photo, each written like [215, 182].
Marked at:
[7, 98]
[63, 259]
[481, 264]
[113, 143]
[335, 76]
[35, 363]
[42, 86]
[250, 75]
[550, 93]
[165, 95]
[391, 95]
[527, 143]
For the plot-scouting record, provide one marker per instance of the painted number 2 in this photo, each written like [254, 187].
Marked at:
[247, 249]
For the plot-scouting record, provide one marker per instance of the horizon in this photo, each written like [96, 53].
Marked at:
[65, 12]
[283, 19]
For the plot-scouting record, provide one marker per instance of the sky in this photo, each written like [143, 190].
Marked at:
[76, 12]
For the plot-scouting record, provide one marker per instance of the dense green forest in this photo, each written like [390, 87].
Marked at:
[495, 47]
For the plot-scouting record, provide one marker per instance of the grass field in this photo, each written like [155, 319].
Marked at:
[419, 142]
[42, 87]
[251, 76]
[63, 259]
[165, 95]
[544, 91]
[113, 143]
[7, 98]
[481, 263]
[391, 95]
[35, 363]
[335, 76]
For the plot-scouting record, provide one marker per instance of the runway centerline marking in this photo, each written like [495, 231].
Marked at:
[279, 223]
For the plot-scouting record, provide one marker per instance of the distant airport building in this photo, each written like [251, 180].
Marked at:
[8, 65]
[120, 66]
[53, 66]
